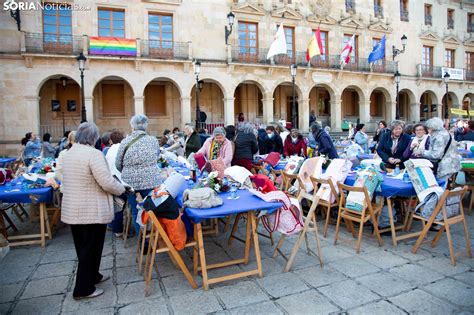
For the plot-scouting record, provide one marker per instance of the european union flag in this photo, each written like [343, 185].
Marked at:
[378, 52]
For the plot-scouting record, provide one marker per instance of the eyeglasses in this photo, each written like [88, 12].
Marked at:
[416, 130]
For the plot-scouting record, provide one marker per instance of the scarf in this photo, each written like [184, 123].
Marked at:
[418, 144]
[394, 144]
[214, 153]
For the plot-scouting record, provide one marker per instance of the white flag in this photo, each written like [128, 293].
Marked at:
[279, 44]
[346, 52]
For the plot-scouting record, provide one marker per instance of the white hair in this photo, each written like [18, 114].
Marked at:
[139, 122]
[434, 123]
[87, 133]
[190, 127]
[397, 123]
[219, 131]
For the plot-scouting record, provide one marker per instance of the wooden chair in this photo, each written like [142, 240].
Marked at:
[310, 225]
[445, 223]
[370, 212]
[160, 243]
[288, 180]
[317, 182]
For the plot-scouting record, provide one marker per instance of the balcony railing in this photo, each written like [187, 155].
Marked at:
[428, 71]
[350, 6]
[428, 20]
[250, 55]
[378, 11]
[470, 28]
[53, 44]
[158, 49]
[450, 23]
[403, 15]
[469, 75]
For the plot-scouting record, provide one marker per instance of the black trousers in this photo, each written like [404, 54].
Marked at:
[89, 242]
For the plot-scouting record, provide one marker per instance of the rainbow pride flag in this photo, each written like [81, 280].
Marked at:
[112, 46]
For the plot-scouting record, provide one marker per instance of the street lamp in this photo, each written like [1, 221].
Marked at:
[396, 51]
[446, 112]
[293, 69]
[81, 61]
[228, 31]
[397, 105]
[197, 70]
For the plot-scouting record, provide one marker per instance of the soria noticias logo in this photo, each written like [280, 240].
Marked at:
[38, 5]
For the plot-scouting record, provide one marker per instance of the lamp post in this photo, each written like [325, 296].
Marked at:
[446, 111]
[64, 84]
[197, 70]
[228, 31]
[397, 104]
[396, 51]
[293, 68]
[81, 61]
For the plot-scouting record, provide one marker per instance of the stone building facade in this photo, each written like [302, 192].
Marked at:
[38, 63]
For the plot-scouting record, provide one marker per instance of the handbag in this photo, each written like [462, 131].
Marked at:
[436, 163]
[201, 198]
[128, 146]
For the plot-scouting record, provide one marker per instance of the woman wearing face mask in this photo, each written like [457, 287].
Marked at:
[361, 138]
[419, 143]
[218, 146]
[393, 144]
[294, 144]
[273, 142]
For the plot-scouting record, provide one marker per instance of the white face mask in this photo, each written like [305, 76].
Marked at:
[270, 135]
[294, 139]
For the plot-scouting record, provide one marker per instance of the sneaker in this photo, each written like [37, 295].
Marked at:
[104, 278]
[96, 293]
[435, 227]
[118, 235]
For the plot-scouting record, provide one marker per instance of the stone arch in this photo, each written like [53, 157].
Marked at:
[161, 78]
[429, 106]
[380, 104]
[283, 101]
[352, 100]
[407, 98]
[248, 99]
[320, 98]
[211, 100]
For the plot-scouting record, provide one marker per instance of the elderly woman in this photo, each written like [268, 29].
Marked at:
[245, 146]
[325, 144]
[32, 147]
[48, 150]
[361, 138]
[193, 141]
[442, 150]
[178, 145]
[294, 144]
[87, 206]
[218, 146]
[393, 144]
[137, 159]
[418, 144]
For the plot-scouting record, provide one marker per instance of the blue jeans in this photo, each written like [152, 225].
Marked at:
[117, 222]
[132, 201]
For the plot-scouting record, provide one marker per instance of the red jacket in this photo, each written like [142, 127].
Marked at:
[290, 148]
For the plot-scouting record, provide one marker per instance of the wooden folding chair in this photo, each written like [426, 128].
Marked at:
[445, 223]
[288, 180]
[317, 182]
[310, 225]
[370, 212]
[160, 243]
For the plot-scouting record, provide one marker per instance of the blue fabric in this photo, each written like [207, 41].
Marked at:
[378, 52]
[7, 160]
[44, 194]
[384, 150]
[117, 222]
[245, 202]
[326, 146]
[32, 149]
[365, 156]
[390, 186]
[132, 201]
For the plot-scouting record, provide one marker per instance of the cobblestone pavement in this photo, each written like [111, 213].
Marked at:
[379, 280]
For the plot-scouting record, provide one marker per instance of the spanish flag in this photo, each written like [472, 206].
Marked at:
[315, 47]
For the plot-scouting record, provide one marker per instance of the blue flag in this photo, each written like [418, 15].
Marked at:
[378, 52]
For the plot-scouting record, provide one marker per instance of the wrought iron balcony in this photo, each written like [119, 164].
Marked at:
[450, 23]
[428, 71]
[404, 15]
[350, 6]
[428, 19]
[378, 11]
[53, 44]
[250, 55]
[158, 49]
[469, 75]
[470, 28]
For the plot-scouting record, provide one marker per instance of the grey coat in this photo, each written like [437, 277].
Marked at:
[451, 162]
[140, 163]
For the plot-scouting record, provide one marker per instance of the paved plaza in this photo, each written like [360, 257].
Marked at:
[379, 280]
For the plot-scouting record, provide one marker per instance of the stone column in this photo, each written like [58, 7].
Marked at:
[439, 111]
[415, 112]
[32, 111]
[186, 111]
[303, 115]
[89, 102]
[139, 105]
[267, 108]
[364, 112]
[229, 115]
[336, 112]
[392, 114]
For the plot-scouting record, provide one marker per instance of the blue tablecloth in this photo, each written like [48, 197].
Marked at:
[17, 195]
[244, 203]
[365, 156]
[390, 186]
[280, 166]
[6, 160]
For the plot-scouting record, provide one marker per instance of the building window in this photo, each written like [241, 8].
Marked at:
[428, 16]
[113, 99]
[111, 22]
[378, 9]
[450, 17]
[155, 100]
[449, 58]
[160, 30]
[470, 22]
[290, 41]
[350, 6]
[470, 61]
[57, 27]
[248, 41]
[378, 64]
[354, 53]
[404, 10]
